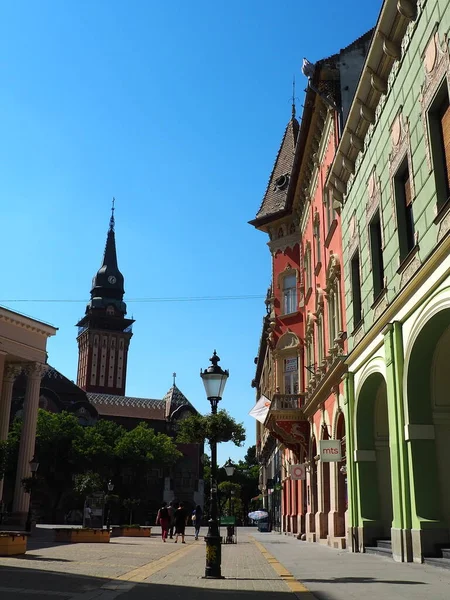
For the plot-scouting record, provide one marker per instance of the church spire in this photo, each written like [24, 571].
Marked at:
[108, 283]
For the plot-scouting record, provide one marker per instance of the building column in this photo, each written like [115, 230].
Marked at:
[352, 478]
[10, 372]
[401, 524]
[21, 502]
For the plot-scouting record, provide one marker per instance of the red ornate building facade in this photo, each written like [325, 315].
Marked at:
[300, 360]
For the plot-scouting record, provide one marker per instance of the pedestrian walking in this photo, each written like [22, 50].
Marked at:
[180, 523]
[197, 519]
[162, 518]
[87, 516]
[171, 508]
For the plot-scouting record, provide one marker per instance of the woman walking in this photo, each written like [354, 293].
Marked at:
[197, 519]
[162, 518]
[180, 523]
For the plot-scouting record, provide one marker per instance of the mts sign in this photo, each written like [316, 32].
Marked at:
[330, 450]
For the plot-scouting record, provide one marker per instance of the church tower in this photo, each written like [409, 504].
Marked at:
[104, 333]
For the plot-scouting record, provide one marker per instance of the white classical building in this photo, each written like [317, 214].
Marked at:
[23, 348]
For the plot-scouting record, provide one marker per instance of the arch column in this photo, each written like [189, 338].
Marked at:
[401, 523]
[10, 372]
[352, 484]
[21, 502]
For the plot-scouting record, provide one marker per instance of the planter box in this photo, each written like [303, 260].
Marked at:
[135, 531]
[12, 543]
[85, 536]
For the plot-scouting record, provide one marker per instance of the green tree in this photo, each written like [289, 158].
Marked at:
[220, 427]
[87, 483]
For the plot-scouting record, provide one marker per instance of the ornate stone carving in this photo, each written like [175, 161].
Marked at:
[358, 335]
[287, 241]
[374, 196]
[353, 241]
[436, 65]
[12, 370]
[35, 370]
[400, 149]
[288, 341]
[444, 227]
[309, 333]
[409, 271]
[288, 270]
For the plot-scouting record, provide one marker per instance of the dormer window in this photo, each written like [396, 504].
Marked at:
[110, 311]
[282, 182]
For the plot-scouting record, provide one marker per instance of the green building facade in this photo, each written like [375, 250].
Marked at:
[391, 181]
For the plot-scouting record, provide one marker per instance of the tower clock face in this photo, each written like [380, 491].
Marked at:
[112, 279]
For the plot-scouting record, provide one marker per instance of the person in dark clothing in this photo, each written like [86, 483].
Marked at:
[172, 508]
[197, 519]
[163, 520]
[180, 523]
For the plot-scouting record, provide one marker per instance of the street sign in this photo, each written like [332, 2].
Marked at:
[330, 450]
[298, 471]
[228, 520]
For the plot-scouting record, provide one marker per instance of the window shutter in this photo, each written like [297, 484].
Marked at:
[445, 123]
[407, 184]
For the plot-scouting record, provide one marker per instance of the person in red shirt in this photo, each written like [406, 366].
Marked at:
[162, 518]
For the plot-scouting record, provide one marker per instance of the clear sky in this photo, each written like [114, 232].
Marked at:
[177, 109]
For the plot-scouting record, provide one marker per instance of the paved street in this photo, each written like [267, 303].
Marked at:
[270, 566]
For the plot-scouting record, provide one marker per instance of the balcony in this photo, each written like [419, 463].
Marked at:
[281, 402]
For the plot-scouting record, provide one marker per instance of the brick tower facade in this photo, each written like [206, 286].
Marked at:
[104, 332]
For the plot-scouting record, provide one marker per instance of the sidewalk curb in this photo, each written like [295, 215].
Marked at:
[296, 587]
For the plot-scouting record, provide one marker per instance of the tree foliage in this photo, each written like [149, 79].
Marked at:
[75, 461]
[220, 428]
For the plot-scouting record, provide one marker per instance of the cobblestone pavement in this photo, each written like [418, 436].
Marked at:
[259, 567]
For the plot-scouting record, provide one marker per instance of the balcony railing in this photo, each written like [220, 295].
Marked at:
[287, 402]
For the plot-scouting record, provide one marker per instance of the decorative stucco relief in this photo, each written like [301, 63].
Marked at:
[436, 65]
[400, 149]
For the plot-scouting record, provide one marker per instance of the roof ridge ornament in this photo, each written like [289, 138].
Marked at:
[112, 221]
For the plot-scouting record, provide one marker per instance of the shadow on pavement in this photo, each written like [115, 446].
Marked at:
[35, 584]
[362, 580]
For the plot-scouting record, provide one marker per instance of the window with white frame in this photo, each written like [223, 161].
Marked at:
[328, 199]
[290, 375]
[320, 344]
[289, 294]
[307, 264]
[316, 232]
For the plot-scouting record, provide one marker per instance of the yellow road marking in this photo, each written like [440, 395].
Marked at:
[153, 567]
[293, 584]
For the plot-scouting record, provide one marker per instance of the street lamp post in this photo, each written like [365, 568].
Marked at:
[108, 517]
[34, 466]
[214, 379]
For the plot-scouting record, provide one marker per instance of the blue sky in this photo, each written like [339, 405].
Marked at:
[177, 109]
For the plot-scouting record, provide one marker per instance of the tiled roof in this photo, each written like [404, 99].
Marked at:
[127, 406]
[275, 198]
[174, 399]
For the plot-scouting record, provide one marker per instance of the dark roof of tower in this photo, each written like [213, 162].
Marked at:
[128, 406]
[275, 200]
[174, 399]
[101, 283]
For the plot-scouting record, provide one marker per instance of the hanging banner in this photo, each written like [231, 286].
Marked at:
[298, 471]
[260, 410]
[330, 450]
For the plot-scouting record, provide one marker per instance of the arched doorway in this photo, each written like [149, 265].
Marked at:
[428, 433]
[373, 460]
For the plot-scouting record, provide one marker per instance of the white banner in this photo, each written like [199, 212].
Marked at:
[298, 471]
[330, 450]
[260, 410]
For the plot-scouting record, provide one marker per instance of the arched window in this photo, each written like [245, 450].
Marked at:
[290, 375]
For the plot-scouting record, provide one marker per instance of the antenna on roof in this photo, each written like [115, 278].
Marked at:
[174, 375]
[293, 97]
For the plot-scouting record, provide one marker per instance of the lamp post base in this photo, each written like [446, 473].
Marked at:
[213, 556]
